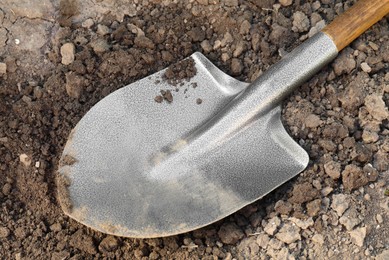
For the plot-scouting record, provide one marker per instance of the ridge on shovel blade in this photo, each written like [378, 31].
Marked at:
[137, 168]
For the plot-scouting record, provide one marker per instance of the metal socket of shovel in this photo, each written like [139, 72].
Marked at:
[133, 167]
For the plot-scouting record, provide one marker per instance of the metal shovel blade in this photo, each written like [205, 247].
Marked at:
[137, 168]
[146, 169]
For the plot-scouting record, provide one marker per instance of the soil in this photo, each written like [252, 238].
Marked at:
[58, 58]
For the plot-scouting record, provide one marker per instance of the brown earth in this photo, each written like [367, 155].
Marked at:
[57, 59]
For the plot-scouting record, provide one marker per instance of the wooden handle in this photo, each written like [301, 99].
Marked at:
[357, 19]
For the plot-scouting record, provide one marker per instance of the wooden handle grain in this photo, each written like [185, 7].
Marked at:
[357, 19]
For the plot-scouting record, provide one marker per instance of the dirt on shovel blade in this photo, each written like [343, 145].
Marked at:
[57, 59]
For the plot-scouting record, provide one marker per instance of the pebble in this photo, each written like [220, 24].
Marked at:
[376, 107]
[206, 46]
[4, 232]
[144, 42]
[202, 2]
[344, 63]
[313, 207]
[25, 159]
[303, 224]
[226, 39]
[286, 2]
[340, 203]
[365, 67]
[67, 53]
[230, 233]
[358, 236]
[6, 190]
[300, 22]
[326, 190]
[312, 121]
[245, 27]
[333, 169]
[379, 218]
[353, 177]
[289, 233]
[102, 29]
[100, 45]
[108, 244]
[316, 5]
[263, 240]
[88, 23]
[236, 66]
[272, 226]
[3, 68]
[350, 219]
[369, 136]
[318, 239]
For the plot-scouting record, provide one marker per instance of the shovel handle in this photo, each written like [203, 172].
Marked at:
[357, 19]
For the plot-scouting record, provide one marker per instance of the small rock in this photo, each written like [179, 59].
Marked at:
[225, 57]
[226, 40]
[102, 29]
[88, 23]
[312, 121]
[339, 203]
[144, 42]
[344, 63]
[272, 226]
[240, 47]
[25, 159]
[283, 207]
[230, 233]
[245, 27]
[67, 53]
[135, 29]
[206, 46]
[326, 190]
[303, 224]
[100, 45]
[376, 107]
[6, 190]
[333, 169]
[303, 193]
[365, 67]
[358, 236]
[313, 207]
[379, 218]
[350, 219]
[318, 239]
[3, 68]
[275, 243]
[56, 227]
[236, 66]
[289, 233]
[286, 2]
[369, 136]
[158, 99]
[263, 240]
[199, 101]
[300, 22]
[353, 177]
[4, 232]
[167, 95]
[108, 244]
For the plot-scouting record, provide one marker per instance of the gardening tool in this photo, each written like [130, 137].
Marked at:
[134, 167]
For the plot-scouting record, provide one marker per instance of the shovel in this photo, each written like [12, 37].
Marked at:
[135, 167]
